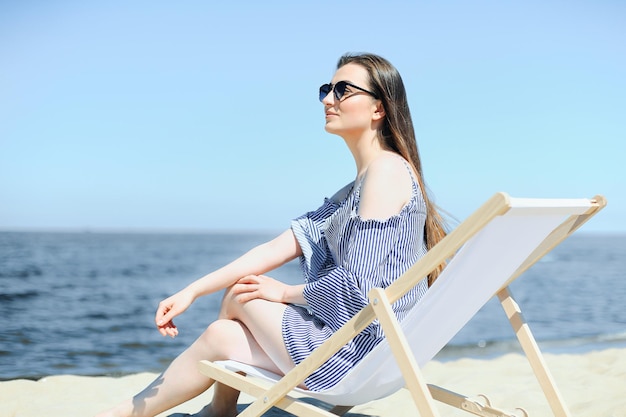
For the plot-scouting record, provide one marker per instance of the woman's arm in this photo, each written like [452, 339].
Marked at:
[257, 261]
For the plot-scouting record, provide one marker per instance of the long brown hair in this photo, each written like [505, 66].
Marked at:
[397, 133]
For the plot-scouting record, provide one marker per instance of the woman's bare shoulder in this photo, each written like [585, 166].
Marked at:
[387, 187]
[389, 170]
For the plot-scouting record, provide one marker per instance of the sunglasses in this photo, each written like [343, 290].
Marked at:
[340, 89]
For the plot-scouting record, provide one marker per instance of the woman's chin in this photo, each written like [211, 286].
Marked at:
[330, 128]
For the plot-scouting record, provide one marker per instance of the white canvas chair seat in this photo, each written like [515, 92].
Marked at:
[486, 252]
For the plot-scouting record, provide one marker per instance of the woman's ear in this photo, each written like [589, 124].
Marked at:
[379, 112]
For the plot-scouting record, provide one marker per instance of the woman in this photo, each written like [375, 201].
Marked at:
[365, 236]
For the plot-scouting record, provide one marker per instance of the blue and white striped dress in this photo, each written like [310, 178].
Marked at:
[343, 257]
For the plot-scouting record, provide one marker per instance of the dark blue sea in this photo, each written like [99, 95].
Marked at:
[84, 303]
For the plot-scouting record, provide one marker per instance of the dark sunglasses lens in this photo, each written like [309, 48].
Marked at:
[324, 90]
[340, 89]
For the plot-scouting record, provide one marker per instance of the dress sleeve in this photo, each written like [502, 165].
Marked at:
[308, 230]
[378, 252]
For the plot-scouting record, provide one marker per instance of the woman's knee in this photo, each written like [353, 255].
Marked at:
[230, 305]
[221, 338]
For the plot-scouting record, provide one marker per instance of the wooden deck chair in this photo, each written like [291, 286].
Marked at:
[490, 249]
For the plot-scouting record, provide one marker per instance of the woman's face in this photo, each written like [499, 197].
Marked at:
[356, 111]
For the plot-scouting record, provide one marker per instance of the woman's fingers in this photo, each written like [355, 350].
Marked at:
[246, 294]
[247, 284]
[169, 329]
[164, 307]
[170, 308]
[258, 286]
[250, 279]
[164, 319]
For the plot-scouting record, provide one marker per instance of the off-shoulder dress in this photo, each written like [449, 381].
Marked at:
[343, 257]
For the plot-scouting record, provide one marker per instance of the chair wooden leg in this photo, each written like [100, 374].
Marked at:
[413, 377]
[423, 394]
[530, 348]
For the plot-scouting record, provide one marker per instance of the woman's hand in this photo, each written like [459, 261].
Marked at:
[170, 308]
[260, 286]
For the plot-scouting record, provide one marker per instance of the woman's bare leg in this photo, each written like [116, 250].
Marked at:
[225, 397]
[261, 316]
[226, 338]
[263, 319]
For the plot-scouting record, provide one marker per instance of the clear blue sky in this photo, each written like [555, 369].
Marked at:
[199, 115]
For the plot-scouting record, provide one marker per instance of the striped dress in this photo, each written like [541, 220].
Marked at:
[343, 257]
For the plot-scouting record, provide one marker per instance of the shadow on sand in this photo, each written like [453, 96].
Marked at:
[277, 412]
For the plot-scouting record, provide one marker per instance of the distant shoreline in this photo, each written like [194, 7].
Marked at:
[191, 231]
[142, 231]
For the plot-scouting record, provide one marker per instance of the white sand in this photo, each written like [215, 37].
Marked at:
[592, 385]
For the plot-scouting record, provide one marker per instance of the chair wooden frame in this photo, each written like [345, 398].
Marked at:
[276, 393]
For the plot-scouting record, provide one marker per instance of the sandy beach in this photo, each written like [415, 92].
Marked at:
[592, 384]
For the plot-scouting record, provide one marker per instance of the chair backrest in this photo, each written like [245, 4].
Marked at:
[479, 269]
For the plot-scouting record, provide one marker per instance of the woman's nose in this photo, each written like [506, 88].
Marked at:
[329, 100]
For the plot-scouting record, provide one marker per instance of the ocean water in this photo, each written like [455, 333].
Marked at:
[84, 303]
